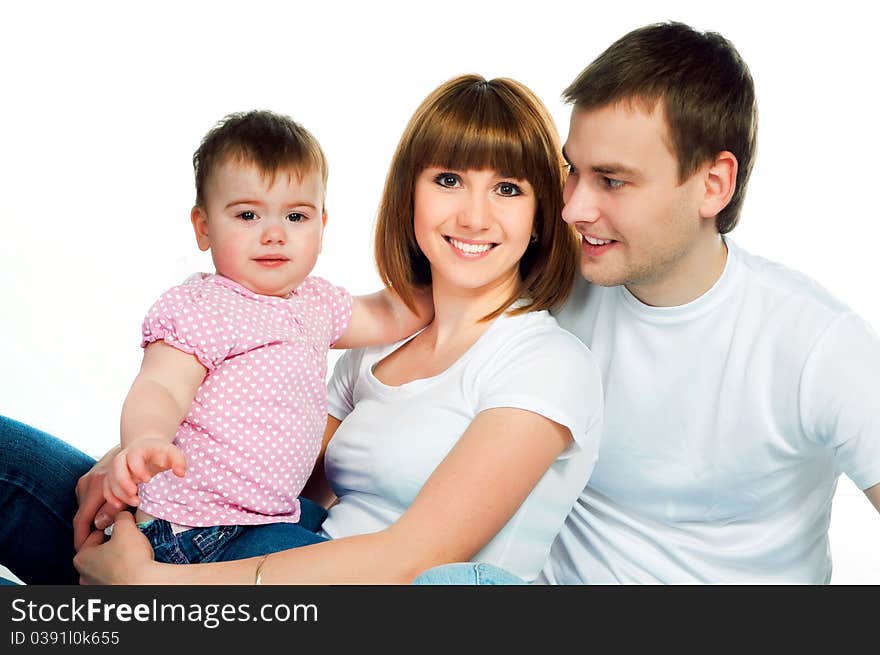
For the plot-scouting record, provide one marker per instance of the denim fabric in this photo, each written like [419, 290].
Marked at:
[467, 573]
[223, 543]
[38, 475]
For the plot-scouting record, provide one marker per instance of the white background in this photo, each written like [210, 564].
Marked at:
[103, 103]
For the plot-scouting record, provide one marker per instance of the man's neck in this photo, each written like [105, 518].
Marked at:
[688, 278]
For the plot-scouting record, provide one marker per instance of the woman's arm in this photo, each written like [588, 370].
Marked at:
[94, 512]
[383, 317]
[318, 488]
[466, 501]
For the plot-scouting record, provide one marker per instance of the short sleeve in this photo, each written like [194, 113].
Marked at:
[332, 305]
[839, 401]
[188, 319]
[340, 388]
[552, 374]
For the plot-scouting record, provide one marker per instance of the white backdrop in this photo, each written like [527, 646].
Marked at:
[103, 103]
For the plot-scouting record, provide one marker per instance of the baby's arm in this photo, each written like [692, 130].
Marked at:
[383, 317]
[158, 401]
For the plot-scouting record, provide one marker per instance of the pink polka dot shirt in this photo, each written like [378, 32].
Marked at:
[255, 426]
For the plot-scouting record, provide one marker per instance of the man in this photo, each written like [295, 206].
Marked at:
[736, 390]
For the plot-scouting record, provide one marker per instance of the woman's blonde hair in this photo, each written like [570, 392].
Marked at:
[470, 123]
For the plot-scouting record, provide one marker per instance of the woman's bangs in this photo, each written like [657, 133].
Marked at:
[481, 140]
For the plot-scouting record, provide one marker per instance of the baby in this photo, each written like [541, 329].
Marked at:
[224, 422]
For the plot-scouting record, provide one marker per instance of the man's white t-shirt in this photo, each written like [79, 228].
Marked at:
[727, 423]
[393, 437]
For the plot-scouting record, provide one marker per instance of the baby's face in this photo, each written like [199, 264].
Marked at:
[264, 232]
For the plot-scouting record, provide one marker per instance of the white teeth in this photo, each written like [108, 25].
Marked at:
[596, 242]
[470, 248]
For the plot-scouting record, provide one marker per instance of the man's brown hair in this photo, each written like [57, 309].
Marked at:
[271, 142]
[706, 89]
[470, 123]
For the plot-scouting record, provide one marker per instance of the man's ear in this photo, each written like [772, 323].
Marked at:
[200, 224]
[720, 183]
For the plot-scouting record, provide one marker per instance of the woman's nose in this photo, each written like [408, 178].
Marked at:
[476, 213]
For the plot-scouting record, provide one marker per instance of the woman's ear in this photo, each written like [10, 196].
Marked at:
[720, 183]
[200, 224]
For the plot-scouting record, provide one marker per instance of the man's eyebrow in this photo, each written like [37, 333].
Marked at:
[615, 169]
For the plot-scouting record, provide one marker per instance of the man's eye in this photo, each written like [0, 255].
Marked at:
[509, 189]
[295, 217]
[611, 183]
[448, 180]
[247, 215]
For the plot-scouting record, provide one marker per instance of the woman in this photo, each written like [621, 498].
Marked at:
[472, 439]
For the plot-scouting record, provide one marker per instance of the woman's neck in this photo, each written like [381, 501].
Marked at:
[457, 311]
[455, 328]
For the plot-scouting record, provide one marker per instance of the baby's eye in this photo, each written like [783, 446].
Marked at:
[509, 189]
[448, 180]
[295, 217]
[246, 215]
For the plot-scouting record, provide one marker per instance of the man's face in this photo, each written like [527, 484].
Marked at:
[639, 224]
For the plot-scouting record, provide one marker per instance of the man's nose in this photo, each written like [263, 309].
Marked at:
[580, 202]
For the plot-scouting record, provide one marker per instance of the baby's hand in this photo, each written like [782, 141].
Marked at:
[138, 463]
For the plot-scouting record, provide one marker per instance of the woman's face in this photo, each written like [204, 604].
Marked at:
[473, 225]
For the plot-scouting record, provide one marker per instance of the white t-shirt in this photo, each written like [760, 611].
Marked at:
[392, 438]
[727, 423]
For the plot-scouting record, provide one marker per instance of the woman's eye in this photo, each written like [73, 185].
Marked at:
[448, 180]
[295, 217]
[509, 189]
[247, 215]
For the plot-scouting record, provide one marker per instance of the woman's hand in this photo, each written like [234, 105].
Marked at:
[127, 558]
[94, 512]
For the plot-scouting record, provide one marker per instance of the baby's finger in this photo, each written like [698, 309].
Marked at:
[123, 491]
[124, 486]
[177, 460]
[110, 496]
[140, 470]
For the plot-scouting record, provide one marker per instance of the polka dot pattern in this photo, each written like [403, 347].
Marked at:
[254, 429]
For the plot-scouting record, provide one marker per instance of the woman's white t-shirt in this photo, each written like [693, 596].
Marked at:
[392, 438]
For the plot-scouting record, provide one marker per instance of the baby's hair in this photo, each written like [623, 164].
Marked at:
[271, 142]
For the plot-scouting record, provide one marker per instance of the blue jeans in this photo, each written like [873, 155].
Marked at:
[38, 475]
[467, 573]
[223, 543]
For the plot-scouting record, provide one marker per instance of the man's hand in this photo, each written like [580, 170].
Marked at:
[138, 463]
